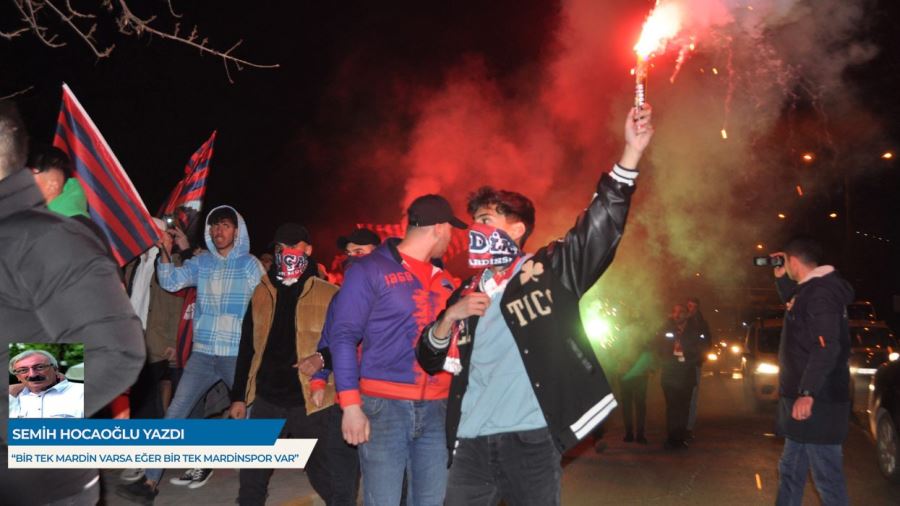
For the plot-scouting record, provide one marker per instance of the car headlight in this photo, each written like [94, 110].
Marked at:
[766, 368]
[735, 349]
[712, 356]
[893, 356]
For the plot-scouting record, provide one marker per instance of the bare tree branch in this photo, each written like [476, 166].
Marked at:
[85, 25]
[128, 21]
[86, 36]
[172, 9]
[77, 14]
[28, 11]
[17, 93]
[13, 34]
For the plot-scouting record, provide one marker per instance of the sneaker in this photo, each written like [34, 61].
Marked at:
[130, 475]
[187, 478]
[139, 492]
[200, 479]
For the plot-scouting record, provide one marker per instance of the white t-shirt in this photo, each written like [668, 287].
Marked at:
[63, 400]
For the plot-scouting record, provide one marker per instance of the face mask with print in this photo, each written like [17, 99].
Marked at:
[290, 264]
[490, 247]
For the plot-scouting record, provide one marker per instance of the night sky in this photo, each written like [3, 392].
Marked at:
[293, 143]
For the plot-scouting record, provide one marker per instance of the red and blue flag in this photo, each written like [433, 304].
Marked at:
[190, 190]
[113, 201]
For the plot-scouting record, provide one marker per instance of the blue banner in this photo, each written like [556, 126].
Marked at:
[91, 432]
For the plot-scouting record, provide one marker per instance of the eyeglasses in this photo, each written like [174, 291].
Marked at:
[35, 368]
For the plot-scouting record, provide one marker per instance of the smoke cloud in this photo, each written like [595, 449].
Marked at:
[763, 73]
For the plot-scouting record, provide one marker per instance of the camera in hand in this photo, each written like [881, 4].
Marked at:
[170, 220]
[775, 261]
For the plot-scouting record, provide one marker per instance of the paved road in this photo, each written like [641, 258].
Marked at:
[733, 461]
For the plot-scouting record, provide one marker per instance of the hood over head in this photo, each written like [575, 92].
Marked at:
[241, 240]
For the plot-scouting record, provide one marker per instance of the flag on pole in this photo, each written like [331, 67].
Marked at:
[190, 190]
[185, 203]
[113, 202]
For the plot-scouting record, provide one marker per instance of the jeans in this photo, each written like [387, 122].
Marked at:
[405, 436]
[827, 466]
[522, 468]
[201, 372]
[254, 483]
[634, 403]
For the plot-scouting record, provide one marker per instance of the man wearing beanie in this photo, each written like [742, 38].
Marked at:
[282, 323]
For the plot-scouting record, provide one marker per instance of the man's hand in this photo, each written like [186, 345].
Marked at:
[779, 271]
[179, 238]
[311, 364]
[638, 132]
[238, 410]
[476, 303]
[165, 245]
[355, 425]
[16, 389]
[318, 398]
[802, 408]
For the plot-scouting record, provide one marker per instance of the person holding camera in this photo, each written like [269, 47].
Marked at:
[814, 375]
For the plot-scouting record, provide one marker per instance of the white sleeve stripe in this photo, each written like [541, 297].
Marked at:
[439, 344]
[623, 175]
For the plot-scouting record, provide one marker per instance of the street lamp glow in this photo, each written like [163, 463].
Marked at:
[799, 191]
[808, 157]
[759, 246]
[781, 216]
[887, 155]
[832, 215]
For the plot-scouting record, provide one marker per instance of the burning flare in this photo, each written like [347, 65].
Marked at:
[662, 25]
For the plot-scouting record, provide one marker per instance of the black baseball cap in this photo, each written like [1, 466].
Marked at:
[430, 210]
[292, 233]
[361, 236]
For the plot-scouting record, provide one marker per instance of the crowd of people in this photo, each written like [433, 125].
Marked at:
[427, 390]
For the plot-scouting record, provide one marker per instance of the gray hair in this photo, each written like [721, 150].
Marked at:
[28, 353]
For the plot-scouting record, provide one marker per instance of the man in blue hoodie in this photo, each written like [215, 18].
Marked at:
[225, 278]
[814, 375]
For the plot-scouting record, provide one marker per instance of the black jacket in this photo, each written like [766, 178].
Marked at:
[58, 285]
[540, 306]
[813, 356]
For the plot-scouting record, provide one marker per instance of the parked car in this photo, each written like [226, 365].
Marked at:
[871, 345]
[759, 362]
[725, 356]
[884, 418]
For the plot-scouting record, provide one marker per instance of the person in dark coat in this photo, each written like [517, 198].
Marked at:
[678, 357]
[698, 334]
[814, 374]
[57, 284]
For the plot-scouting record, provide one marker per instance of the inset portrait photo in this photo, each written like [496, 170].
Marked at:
[46, 380]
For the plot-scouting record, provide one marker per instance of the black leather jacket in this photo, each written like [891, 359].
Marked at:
[540, 306]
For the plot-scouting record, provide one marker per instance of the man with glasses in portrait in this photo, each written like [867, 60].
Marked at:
[46, 393]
